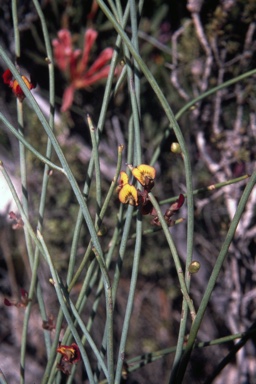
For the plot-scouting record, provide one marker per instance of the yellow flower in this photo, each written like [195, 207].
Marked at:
[123, 178]
[145, 174]
[122, 181]
[128, 195]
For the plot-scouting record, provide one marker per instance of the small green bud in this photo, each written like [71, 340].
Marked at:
[194, 267]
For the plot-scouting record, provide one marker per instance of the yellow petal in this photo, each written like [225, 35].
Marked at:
[123, 178]
[144, 172]
[128, 195]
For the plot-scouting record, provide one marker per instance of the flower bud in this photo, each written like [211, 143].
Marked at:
[194, 267]
[175, 148]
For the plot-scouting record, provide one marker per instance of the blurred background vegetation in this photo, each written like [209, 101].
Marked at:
[190, 47]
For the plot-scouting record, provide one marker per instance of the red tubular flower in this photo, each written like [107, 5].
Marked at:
[13, 83]
[70, 353]
[76, 67]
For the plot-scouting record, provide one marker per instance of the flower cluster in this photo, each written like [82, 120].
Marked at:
[74, 63]
[128, 194]
[70, 355]
[14, 85]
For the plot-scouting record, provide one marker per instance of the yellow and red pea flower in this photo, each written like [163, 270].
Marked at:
[14, 85]
[145, 174]
[70, 353]
[122, 181]
[128, 194]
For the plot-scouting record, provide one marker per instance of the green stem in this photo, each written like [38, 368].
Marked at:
[109, 311]
[213, 278]
[130, 302]
[174, 255]
[63, 302]
[21, 139]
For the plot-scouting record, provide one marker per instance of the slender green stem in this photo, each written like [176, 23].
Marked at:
[95, 154]
[213, 90]
[109, 311]
[210, 188]
[26, 144]
[2, 378]
[193, 102]
[16, 28]
[231, 355]
[63, 302]
[134, 76]
[213, 278]
[130, 302]
[147, 358]
[174, 255]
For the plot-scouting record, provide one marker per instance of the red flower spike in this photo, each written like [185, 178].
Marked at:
[13, 83]
[70, 353]
[69, 60]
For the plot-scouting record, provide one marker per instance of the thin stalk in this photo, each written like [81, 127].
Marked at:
[15, 22]
[29, 146]
[213, 278]
[109, 321]
[175, 255]
[20, 208]
[101, 215]
[213, 90]
[193, 102]
[147, 358]
[63, 302]
[89, 339]
[210, 188]
[134, 83]
[24, 196]
[231, 355]
[48, 155]
[119, 264]
[95, 154]
[2, 378]
[130, 302]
